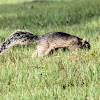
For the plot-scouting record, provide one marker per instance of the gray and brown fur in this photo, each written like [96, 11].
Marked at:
[46, 43]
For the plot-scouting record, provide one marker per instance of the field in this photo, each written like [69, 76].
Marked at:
[62, 75]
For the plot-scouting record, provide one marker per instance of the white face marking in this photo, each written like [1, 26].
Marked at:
[84, 39]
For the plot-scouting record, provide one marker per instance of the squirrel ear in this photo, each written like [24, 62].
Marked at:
[83, 41]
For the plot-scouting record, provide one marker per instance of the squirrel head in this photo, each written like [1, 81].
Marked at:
[85, 44]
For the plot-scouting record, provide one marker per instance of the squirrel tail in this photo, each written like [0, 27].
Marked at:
[18, 37]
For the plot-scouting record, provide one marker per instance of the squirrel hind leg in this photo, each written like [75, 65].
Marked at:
[35, 54]
[47, 52]
[42, 51]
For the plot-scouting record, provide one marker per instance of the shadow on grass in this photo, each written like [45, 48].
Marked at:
[42, 14]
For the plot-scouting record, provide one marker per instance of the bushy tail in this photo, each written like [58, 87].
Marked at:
[19, 37]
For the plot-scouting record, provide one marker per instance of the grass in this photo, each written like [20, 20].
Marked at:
[61, 76]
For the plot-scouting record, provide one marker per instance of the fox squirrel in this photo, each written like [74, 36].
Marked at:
[46, 43]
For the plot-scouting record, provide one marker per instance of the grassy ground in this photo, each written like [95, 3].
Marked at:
[61, 76]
